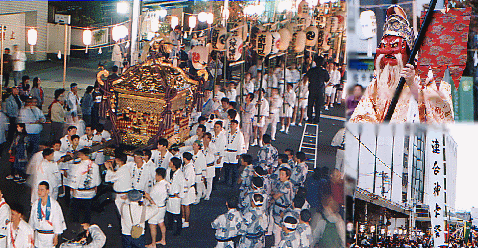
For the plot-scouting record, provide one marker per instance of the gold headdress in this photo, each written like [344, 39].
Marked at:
[397, 24]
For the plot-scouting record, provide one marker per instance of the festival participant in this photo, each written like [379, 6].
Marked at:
[135, 213]
[234, 148]
[218, 98]
[161, 156]
[46, 218]
[19, 233]
[299, 172]
[429, 102]
[254, 224]
[231, 92]
[66, 140]
[200, 167]
[246, 175]
[248, 84]
[270, 83]
[189, 187]
[316, 76]
[158, 198]
[289, 236]
[219, 141]
[267, 155]
[86, 141]
[290, 157]
[201, 121]
[282, 198]
[175, 177]
[120, 175]
[141, 173]
[198, 136]
[47, 171]
[331, 87]
[94, 236]
[303, 95]
[275, 104]
[294, 73]
[5, 219]
[247, 195]
[288, 108]
[208, 103]
[303, 228]
[248, 111]
[101, 136]
[259, 122]
[210, 153]
[73, 103]
[228, 225]
[221, 112]
[86, 179]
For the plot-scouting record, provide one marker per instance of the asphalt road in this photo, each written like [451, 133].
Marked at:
[199, 234]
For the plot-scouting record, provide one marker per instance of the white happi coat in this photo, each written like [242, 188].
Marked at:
[199, 161]
[55, 223]
[161, 161]
[98, 137]
[210, 154]
[177, 186]
[121, 178]
[22, 237]
[86, 175]
[46, 171]
[234, 146]
[141, 177]
[5, 214]
[219, 142]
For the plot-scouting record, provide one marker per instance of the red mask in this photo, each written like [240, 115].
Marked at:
[390, 46]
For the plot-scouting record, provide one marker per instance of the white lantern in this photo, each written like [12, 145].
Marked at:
[119, 32]
[259, 9]
[202, 17]
[32, 38]
[122, 7]
[163, 13]
[174, 21]
[210, 18]
[192, 22]
[59, 54]
[87, 35]
[154, 24]
[225, 14]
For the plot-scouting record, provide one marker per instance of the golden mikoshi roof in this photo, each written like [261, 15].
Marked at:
[151, 79]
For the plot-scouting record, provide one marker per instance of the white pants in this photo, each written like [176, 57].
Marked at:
[201, 189]
[118, 201]
[44, 240]
[272, 120]
[247, 132]
[276, 230]
[209, 187]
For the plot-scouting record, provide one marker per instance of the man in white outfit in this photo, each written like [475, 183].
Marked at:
[199, 161]
[161, 156]
[20, 234]
[248, 111]
[4, 220]
[120, 176]
[158, 198]
[175, 177]
[210, 153]
[189, 187]
[46, 218]
[19, 58]
[234, 148]
[47, 171]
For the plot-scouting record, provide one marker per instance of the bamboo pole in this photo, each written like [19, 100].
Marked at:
[1, 63]
[65, 46]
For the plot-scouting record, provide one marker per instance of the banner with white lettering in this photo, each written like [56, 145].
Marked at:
[435, 158]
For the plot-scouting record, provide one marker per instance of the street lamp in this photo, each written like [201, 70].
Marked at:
[119, 32]
[122, 7]
[32, 38]
[87, 35]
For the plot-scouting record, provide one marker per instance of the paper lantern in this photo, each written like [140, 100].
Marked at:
[192, 22]
[285, 38]
[87, 35]
[162, 13]
[368, 23]
[119, 32]
[202, 17]
[275, 42]
[234, 48]
[174, 21]
[210, 18]
[284, 6]
[199, 57]
[264, 43]
[219, 38]
[303, 9]
[154, 25]
[32, 38]
[299, 44]
[311, 34]
[122, 7]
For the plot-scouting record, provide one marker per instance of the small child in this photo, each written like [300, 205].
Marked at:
[303, 229]
[227, 225]
[255, 224]
[158, 197]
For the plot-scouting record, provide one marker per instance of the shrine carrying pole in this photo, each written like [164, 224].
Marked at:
[411, 59]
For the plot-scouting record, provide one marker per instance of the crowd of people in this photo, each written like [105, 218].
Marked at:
[271, 195]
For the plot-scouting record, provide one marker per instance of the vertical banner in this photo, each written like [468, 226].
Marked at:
[436, 192]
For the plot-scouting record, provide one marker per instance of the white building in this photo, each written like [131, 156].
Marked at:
[18, 17]
[390, 163]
